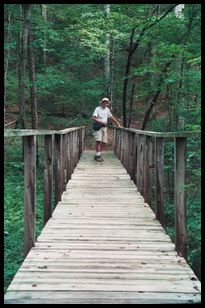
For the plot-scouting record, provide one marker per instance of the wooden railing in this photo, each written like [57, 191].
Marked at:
[139, 151]
[62, 152]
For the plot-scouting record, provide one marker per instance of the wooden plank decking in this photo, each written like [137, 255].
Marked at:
[103, 245]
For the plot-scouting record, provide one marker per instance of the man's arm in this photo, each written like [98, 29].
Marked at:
[94, 118]
[115, 121]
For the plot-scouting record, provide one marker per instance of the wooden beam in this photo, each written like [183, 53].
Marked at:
[29, 192]
[48, 177]
[58, 167]
[140, 152]
[160, 179]
[31, 132]
[160, 134]
[148, 170]
[26, 132]
[64, 162]
[133, 156]
[180, 222]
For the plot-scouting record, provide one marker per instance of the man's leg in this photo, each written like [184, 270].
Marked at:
[98, 146]
[104, 138]
[102, 146]
[98, 140]
[98, 151]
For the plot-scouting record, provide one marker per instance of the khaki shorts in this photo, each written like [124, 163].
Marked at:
[100, 135]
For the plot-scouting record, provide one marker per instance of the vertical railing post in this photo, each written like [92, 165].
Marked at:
[118, 143]
[71, 151]
[64, 162]
[122, 145]
[160, 179]
[114, 140]
[126, 150]
[68, 154]
[58, 167]
[80, 135]
[143, 163]
[140, 158]
[133, 155]
[148, 170]
[180, 213]
[74, 149]
[29, 192]
[83, 138]
[48, 176]
[130, 154]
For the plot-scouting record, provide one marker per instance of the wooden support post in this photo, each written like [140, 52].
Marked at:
[75, 145]
[78, 145]
[29, 192]
[143, 164]
[76, 148]
[148, 170]
[122, 133]
[133, 156]
[137, 153]
[153, 203]
[83, 138]
[180, 215]
[80, 136]
[140, 158]
[114, 140]
[160, 179]
[58, 167]
[126, 151]
[119, 144]
[64, 162]
[130, 154]
[48, 177]
[72, 152]
[68, 153]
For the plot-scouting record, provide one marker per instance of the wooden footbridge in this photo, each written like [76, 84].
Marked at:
[102, 243]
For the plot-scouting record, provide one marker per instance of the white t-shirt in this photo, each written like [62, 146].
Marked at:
[102, 114]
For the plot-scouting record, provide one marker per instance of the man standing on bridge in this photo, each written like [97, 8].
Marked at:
[100, 117]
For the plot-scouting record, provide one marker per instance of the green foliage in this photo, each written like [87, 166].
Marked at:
[13, 215]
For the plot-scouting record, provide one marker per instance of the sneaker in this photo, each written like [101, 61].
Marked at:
[98, 158]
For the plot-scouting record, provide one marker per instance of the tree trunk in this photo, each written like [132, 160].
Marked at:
[178, 102]
[133, 47]
[127, 70]
[32, 79]
[31, 68]
[131, 103]
[44, 14]
[179, 123]
[111, 75]
[156, 96]
[6, 63]
[107, 57]
[20, 123]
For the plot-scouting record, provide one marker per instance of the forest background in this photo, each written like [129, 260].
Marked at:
[61, 59]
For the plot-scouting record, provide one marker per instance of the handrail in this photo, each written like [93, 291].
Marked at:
[62, 152]
[139, 151]
[10, 132]
[161, 134]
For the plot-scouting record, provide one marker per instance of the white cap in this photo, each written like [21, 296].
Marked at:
[105, 99]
